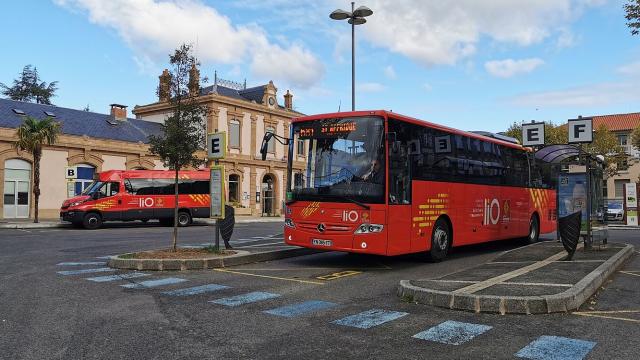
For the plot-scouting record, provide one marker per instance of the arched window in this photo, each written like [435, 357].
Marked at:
[85, 177]
[234, 188]
[17, 182]
[234, 134]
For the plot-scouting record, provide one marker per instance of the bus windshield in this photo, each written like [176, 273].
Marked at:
[345, 160]
[91, 188]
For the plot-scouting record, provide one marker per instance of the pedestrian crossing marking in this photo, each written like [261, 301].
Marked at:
[452, 332]
[195, 290]
[370, 318]
[82, 263]
[301, 308]
[245, 298]
[153, 283]
[85, 271]
[555, 347]
[108, 278]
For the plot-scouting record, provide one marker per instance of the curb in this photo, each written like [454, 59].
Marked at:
[34, 226]
[242, 257]
[568, 300]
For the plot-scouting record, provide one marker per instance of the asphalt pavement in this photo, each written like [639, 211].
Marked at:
[58, 304]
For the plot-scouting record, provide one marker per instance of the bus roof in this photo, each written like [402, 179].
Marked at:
[116, 175]
[390, 114]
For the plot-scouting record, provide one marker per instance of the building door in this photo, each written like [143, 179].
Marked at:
[268, 196]
[17, 182]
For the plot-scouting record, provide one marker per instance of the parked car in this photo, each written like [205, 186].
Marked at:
[615, 210]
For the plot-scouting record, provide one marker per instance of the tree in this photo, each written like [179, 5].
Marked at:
[28, 87]
[633, 16]
[32, 135]
[183, 132]
[606, 144]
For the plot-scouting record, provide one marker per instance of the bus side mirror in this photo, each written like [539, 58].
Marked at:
[265, 144]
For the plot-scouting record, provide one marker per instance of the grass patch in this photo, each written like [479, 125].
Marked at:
[127, 256]
[212, 250]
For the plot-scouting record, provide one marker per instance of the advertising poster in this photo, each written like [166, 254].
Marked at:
[217, 193]
[572, 195]
[631, 203]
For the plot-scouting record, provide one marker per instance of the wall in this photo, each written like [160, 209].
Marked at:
[114, 162]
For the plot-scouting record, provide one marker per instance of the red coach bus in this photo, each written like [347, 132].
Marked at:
[139, 195]
[381, 183]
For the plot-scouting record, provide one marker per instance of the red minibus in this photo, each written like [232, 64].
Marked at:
[381, 183]
[139, 195]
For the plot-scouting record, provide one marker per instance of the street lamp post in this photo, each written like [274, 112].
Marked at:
[356, 17]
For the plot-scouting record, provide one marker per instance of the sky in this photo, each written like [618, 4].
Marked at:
[469, 64]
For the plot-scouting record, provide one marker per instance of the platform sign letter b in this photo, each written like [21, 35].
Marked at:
[71, 172]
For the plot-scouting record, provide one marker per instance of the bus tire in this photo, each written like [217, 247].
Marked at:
[440, 241]
[92, 221]
[184, 218]
[534, 229]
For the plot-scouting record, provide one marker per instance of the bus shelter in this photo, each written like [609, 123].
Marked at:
[579, 188]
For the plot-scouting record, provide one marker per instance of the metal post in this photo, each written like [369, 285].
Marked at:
[588, 241]
[216, 246]
[353, 61]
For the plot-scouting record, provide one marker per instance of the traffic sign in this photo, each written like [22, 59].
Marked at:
[533, 134]
[71, 172]
[217, 145]
[217, 192]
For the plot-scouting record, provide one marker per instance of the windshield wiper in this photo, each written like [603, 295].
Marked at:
[353, 201]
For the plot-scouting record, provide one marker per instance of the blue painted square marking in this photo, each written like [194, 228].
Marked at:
[301, 308]
[195, 290]
[85, 271]
[108, 278]
[556, 348]
[153, 283]
[245, 298]
[452, 332]
[370, 318]
[82, 263]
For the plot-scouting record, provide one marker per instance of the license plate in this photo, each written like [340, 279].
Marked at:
[320, 242]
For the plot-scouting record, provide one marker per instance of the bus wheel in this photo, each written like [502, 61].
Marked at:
[534, 230]
[440, 241]
[184, 218]
[92, 221]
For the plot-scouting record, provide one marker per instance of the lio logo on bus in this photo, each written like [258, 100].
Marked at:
[350, 216]
[491, 211]
[146, 202]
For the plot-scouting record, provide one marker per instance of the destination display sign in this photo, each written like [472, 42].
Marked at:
[326, 130]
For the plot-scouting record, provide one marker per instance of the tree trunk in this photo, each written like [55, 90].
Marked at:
[37, 154]
[175, 213]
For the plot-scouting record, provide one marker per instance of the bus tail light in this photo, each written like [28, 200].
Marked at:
[369, 228]
[289, 223]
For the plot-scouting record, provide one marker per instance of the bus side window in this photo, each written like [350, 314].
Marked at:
[127, 186]
[402, 148]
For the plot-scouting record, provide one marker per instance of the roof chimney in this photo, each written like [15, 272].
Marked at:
[288, 100]
[194, 80]
[119, 112]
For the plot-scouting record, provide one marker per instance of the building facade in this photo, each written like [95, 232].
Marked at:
[622, 126]
[255, 187]
[89, 142]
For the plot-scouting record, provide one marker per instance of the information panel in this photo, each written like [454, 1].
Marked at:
[326, 129]
[217, 192]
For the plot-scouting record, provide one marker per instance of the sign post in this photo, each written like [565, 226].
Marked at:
[216, 150]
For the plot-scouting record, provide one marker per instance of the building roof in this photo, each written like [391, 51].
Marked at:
[78, 122]
[250, 94]
[617, 122]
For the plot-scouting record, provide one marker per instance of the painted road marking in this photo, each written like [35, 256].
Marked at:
[338, 275]
[81, 263]
[153, 283]
[85, 271]
[555, 347]
[195, 290]
[628, 273]
[502, 283]
[607, 315]
[453, 332]
[104, 257]
[512, 274]
[301, 308]
[132, 275]
[270, 277]
[370, 318]
[245, 298]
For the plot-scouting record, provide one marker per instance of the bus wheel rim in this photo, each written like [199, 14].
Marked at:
[441, 238]
[93, 220]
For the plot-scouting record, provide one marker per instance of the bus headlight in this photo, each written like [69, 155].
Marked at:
[76, 203]
[289, 223]
[369, 228]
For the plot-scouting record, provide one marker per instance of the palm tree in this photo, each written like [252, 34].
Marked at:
[32, 135]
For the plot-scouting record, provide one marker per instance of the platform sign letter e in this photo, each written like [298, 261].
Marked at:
[216, 145]
[580, 130]
[533, 134]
